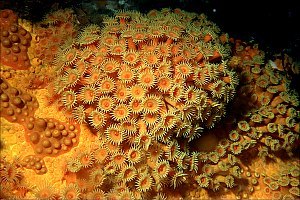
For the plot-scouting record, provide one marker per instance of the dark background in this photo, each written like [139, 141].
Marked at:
[271, 24]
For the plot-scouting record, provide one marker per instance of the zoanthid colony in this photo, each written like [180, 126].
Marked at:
[147, 106]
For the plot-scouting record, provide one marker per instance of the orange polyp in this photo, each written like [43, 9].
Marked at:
[150, 104]
[109, 66]
[80, 66]
[280, 120]
[280, 88]
[177, 59]
[144, 138]
[184, 70]
[109, 40]
[122, 21]
[226, 79]
[164, 83]
[175, 49]
[119, 159]
[127, 76]
[199, 57]
[191, 95]
[277, 100]
[130, 58]
[216, 55]
[118, 49]
[131, 44]
[147, 80]
[70, 98]
[116, 133]
[140, 45]
[169, 41]
[163, 50]
[133, 155]
[121, 112]
[207, 86]
[98, 119]
[207, 38]
[107, 85]
[176, 92]
[155, 41]
[89, 96]
[151, 59]
[186, 53]
[70, 56]
[85, 160]
[161, 168]
[72, 78]
[106, 104]
[144, 182]
[172, 34]
[136, 104]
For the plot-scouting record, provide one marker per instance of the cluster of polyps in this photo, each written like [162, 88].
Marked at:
[140, 82]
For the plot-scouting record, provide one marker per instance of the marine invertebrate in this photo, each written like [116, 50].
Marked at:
[97, 119]
[86, 159]
[118, 159]
[144, 182]
[70, 78]
[70, 192]
[34, 162]
[151, 104]
[259, 123]
[48, 137]
[12, 100]
[45, 191]
[152, 89]
[121, 112]
[100, 154]
[128, 173]
[234, 135]
[114, 134]
[106, 103]
[243, 125]
[96, 178]
[79, 114]
[134, 154]
[295, 171]
[15, 41]
[73, 165]
[10, 174]
[88, 94]
[107, 85]
[203, 180]
[47, 37]
[162, 168]
[96, 194]
[138, 69]
[69, 99]
[126, 75]
[137, 92]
